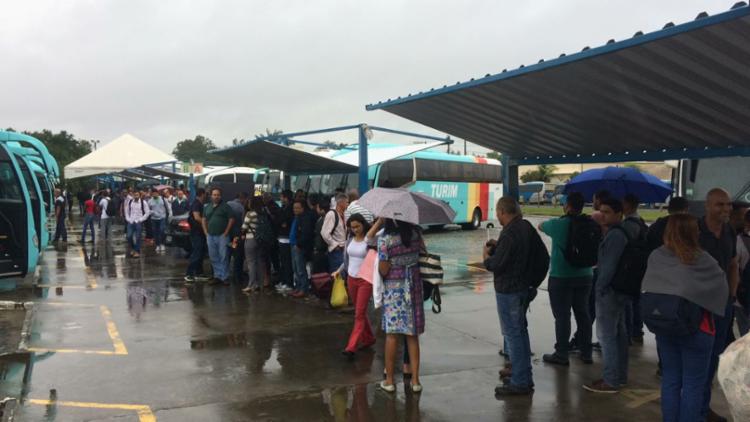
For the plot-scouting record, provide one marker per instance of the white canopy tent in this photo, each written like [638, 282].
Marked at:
[124, 152]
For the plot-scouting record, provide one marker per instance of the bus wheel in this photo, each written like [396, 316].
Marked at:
[476, 221]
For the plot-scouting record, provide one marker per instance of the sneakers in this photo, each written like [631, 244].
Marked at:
[599, 386]
[554, 359]
[283, 288]
[511, 390]
[189, 279]
[202, 277]
[388, 388]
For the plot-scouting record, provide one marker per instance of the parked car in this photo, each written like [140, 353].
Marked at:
[178, 232]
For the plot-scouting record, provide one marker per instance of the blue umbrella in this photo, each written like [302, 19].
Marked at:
[619, 181]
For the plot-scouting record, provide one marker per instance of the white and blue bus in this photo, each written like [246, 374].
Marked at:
[470, 185]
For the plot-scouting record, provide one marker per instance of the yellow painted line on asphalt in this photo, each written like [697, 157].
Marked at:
[640, 397]
[117, 344]
[144, 412]
[113, 333]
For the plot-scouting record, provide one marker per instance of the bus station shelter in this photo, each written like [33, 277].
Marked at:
[682, 92]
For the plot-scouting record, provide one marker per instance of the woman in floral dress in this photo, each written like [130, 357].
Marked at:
[403, 309]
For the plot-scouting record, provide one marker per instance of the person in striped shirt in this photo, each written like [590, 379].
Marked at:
[355, 208]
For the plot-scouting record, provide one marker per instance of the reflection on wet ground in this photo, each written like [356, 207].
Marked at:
[204, 353]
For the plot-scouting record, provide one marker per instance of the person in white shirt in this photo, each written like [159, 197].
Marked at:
[105, 219]
[333, 232]
[136, 212]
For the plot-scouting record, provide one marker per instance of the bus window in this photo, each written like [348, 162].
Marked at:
[396, 173]
[9, 185]
[244, 178]
[314, 186]
[300, 182]
[223, 178]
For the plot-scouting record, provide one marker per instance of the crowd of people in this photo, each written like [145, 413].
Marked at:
[687, 278]
[609, 269]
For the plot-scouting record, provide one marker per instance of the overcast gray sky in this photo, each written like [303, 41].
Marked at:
[167, 70]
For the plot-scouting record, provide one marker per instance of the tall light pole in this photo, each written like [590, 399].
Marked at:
[94, 143]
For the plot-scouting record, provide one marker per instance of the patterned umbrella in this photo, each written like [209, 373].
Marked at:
[403, 205]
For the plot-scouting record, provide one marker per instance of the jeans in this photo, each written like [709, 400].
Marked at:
[685, 361]
[255, 261]
[335, 259]
[299, 264]
[564, 294]
[723, 326]
[61, 230]
[217, 251]
[613, 336]
[238, 262]
[286, 267]
[743, 319]
[157, 230]
[88, 224]
[104, 227]
[633, 319]
[134, 236]
[360, 291]
[511, 310]
[197, 253]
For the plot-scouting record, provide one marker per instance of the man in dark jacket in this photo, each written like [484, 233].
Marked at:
[301, 240]
[507, 259]
[655, 237]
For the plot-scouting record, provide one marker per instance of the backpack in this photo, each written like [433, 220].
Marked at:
[335, 222]
[263, 232]
[111, 209]
[632, 265]
[584, 236]
[537, 263]
[670, 315]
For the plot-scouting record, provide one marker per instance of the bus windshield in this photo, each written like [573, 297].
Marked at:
[10, 188]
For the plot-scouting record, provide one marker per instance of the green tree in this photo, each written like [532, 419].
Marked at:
[194, 149]
[270, 134]
[494, 154]
[543, 173]
[65, 148]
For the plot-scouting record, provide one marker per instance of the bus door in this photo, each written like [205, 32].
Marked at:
[14, 219]
[37, 206]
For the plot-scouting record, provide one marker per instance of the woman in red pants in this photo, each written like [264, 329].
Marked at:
[360, 290]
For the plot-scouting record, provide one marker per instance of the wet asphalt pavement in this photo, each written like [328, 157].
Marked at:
[122, 339]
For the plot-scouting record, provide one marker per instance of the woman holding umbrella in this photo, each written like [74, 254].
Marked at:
[400, 212]
[403, 309]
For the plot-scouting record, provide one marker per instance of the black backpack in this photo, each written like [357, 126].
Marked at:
[632, 265]
[584, 236]
[537, 263]
[263, 232]
[111, 207]
[670, 315]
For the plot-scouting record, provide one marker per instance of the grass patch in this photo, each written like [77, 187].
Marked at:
[550, 211]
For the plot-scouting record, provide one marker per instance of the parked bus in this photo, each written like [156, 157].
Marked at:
[536, 192]
[696, 177]
[470, 185]
[19, 243]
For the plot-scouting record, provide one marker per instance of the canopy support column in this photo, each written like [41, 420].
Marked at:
[364, 183]
[510, 177]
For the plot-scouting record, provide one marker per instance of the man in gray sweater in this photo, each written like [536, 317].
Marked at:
[610, 304]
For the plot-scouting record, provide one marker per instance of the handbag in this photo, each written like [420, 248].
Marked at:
[339, 298]
[431, 273]
[322, 285]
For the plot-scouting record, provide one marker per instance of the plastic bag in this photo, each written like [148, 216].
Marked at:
[339, 298]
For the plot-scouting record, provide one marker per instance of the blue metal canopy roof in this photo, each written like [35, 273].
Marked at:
[680, 92]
